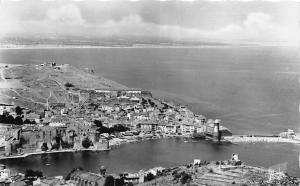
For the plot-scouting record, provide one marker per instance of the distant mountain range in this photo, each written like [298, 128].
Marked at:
[10, 41]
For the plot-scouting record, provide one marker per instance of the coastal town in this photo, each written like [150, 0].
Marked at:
[95, 119]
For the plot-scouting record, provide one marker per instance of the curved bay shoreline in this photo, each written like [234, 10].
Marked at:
[235, 139]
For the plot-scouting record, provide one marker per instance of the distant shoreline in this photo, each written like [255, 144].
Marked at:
[95, 47]
[19, 47]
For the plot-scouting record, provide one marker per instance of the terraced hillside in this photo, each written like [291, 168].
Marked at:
[226, 174]
[35, 86]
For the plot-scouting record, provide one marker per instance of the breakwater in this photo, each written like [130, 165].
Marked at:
[260, 139]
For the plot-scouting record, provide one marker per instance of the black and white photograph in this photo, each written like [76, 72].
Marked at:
[149, 92]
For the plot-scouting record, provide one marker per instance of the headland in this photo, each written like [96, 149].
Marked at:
[56, 108]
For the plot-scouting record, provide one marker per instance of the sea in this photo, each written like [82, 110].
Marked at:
[253, 90]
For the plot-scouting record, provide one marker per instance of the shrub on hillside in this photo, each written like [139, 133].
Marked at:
[149, 177]
[109, 181]
[69, 85]
[185, 178]
[29, 173]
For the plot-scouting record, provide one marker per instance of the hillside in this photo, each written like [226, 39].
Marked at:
[35, 86]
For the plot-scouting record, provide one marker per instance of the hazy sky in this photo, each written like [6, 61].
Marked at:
[202, 20]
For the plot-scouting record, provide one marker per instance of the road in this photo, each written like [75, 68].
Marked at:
[47, 100]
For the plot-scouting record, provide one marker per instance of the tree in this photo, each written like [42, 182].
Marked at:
[185, 178]
[66, 145]
[19, 110]
[103, 130]
[39, 174]
[18, 120]
[29, 173]
[149, 177]
[109, 181]
[22, 141]
[119, 182]
[10, 119]
[71, 172]
[44, 147]
[115, 128]
[55, 146]
[119, 128]
[176, 175]
[58, 140]
[86, 143]
[102, 170]
[27, 121]
[98, 123]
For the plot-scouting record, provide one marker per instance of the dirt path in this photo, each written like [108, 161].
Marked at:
[2, 75]
[47, 100]
[29, 99]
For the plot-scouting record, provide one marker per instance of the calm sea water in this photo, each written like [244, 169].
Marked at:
[165, 152]
[251, 89]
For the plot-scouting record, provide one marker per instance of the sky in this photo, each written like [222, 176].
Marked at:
[232, 21]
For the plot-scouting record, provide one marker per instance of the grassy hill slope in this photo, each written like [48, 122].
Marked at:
[34, 86]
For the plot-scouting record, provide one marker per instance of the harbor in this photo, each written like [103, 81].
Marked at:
[165, 152]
